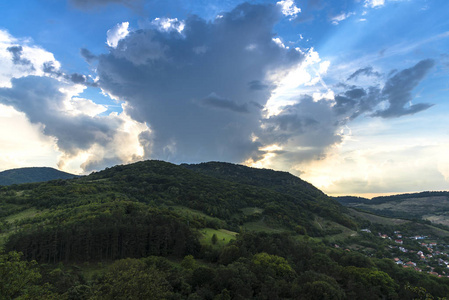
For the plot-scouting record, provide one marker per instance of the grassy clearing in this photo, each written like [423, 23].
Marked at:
[25, 214]
[184, 211]
[260, 226]
[376, 219]
[223, 236]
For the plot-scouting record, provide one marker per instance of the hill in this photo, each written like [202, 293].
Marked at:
[33, 174]
[427, 206]
[155, 230]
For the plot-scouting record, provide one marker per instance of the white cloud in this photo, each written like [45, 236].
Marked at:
[23, 144]
[78, 106]
[115, 34]
[53, 125]
[374, 3]
[383, 157]
[289, 8]
[279, 42]
[167, 24]
[296, 81]
[341, 17]
[31, 59]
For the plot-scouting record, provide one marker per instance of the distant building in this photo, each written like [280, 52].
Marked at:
[410, 264]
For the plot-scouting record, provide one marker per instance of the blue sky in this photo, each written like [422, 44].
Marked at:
[350, 95]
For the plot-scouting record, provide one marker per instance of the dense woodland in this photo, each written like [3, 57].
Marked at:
[136, 232]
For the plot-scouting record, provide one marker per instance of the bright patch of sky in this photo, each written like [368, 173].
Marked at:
[350, 95]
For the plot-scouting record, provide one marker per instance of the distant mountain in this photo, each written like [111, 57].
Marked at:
[430, 206]
[33, 174]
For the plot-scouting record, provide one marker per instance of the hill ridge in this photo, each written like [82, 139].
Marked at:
[32, 175]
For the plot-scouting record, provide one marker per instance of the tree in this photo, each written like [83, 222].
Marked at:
[19, 278]
[214, 239]
[132, 279]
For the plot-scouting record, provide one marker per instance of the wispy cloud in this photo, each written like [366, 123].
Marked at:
[341, 17]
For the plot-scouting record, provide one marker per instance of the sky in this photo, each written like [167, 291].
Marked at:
[350, 95]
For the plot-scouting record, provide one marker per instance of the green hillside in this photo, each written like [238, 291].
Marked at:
[35, 174]
[426, 206]
[155, 230]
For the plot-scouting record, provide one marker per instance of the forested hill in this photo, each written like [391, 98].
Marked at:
[33, 174]
[280, 181]
[126, 202]
[224, 193]
[155, 230]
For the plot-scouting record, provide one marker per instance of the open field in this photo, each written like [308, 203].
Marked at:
[376, 219]
[223, 236]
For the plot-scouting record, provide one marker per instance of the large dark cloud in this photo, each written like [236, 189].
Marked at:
[200, 90]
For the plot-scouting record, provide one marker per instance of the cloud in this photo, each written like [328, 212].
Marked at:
[356, 101]
[42, 101]
[16, 52]
[257, 85]
[50, 70]
[115, 34]
[20, 58]
[305, 129]
[374, 3]
[74, 122]
[23, 144]
[289, 8]
[87, 55]
[341, 17]
[389, 101]
[398, 91]
[200, 89]
[216, 101]
[167, 24]
[91, 4]
[367, 71]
